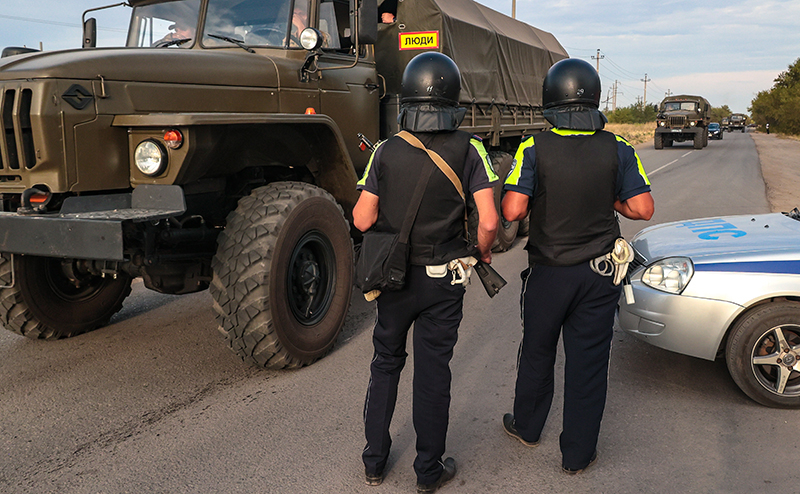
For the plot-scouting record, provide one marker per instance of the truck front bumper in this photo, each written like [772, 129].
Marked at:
[88, 227]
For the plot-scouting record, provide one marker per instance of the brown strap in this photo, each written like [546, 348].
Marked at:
[440, 162]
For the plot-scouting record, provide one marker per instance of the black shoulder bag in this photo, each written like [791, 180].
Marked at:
[383, 260]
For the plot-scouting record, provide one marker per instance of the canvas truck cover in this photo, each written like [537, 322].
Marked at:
[501, 59]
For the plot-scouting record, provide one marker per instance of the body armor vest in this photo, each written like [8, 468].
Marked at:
[572, 213]
[438, 234]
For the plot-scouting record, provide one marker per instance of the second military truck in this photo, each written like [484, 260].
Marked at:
[682, 118]
[219, 149]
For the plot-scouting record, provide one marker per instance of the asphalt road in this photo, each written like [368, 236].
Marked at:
[154, 403]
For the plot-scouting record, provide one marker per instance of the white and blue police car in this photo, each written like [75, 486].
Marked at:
[727, 286]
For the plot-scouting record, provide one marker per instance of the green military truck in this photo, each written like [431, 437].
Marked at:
[227, 158]
[682, 118]
[725, 124]
[737, 121]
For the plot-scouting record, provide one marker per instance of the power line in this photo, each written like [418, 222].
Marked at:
[57, 23]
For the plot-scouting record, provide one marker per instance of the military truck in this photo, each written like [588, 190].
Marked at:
[227, 158]
[737, 121]
[682, 118]
[725, 124]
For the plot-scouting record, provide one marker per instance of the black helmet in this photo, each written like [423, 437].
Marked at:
[571, 81]
[431, 77]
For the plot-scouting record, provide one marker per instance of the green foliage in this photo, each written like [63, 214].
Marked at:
[717, 114]
[633, 114]
[780, 106]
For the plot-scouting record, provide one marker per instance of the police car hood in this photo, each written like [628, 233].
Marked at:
[719, 239]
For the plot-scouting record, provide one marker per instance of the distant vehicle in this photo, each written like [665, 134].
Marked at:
[714, 131]
[729, 287]
[725, 123]
[682, 118]
[737, 122]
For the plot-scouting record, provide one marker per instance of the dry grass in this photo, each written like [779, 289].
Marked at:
[633, 133]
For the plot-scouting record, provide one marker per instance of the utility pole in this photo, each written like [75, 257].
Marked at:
[513, 9]
[614, 101]
[598, 58]
[645, 80]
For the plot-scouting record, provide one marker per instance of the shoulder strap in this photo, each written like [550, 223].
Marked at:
[413, 206]
[440, 162]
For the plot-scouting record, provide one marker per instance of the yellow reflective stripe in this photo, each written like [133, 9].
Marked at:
[513, 177]
[570, 132]
[363, 180]
[487, 164]
[638, 161]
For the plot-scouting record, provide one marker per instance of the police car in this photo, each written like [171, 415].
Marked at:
[727, 286]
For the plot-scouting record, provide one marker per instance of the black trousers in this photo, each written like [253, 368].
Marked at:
[583, 303]
[435, 308]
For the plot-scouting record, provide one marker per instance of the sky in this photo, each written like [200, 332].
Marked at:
[724, 51]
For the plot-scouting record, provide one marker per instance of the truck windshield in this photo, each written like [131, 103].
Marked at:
[164, 25]
[680, 105]
[276, 23]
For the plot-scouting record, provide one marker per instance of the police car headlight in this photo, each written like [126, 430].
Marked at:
[669, 275]
[150, 158]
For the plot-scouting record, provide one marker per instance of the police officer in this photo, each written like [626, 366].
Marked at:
[574, 177]
[431, 84]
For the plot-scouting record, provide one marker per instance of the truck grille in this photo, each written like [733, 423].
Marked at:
[678, 121]
[16, 141]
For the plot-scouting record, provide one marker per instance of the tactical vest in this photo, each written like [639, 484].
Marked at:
[572, 213]
[438, 232]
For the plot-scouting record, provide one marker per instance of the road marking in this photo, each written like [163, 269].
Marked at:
[671, 162]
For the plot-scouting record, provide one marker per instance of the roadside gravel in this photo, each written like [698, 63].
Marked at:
[780, 166]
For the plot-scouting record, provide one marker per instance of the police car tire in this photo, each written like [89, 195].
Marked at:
[44, 304]
[271, 238]
[750, 332]
[506, 230]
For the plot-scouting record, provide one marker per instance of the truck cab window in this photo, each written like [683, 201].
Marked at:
[334, 24]
[164, 25]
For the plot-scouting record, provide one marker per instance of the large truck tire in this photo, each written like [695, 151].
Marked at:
[705, 137]
[506, 230]
[283, 275]
[658, 141]
[50, 299]
[698, 141]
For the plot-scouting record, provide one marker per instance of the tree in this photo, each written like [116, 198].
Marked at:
[780, 106]
[718, 113]
[633, 114]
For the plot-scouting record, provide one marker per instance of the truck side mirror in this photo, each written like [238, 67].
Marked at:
[90, 33]
[367, 21]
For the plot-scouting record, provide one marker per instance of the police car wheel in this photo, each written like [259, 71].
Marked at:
[52, 299]
[283, 275]
[763, 354]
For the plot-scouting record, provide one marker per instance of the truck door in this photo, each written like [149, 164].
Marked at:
[350, 94]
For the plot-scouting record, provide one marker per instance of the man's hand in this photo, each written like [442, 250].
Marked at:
[487, 222]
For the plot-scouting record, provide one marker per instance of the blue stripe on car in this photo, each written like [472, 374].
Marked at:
[776, 267]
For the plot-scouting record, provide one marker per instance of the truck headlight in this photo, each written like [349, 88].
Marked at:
[662, 123]
[669, 275]
[692, 124]
[150, 158]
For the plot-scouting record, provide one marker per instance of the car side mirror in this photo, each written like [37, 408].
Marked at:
[90, 33]
[367, 20]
